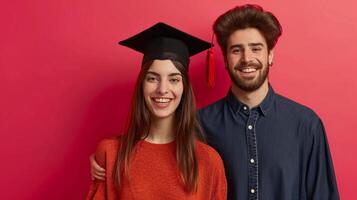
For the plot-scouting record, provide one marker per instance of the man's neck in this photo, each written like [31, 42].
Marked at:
[251, 99]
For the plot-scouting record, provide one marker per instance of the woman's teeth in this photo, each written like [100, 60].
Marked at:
[161, 100]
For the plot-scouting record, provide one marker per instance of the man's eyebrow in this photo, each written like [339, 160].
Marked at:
[249, 44]
[256, 44]
[236, 46]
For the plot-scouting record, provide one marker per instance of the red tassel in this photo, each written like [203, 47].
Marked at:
[210, 71]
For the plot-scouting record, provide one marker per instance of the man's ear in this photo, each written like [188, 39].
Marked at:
[270, 57]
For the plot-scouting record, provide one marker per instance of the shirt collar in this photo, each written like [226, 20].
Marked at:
[233, 101]
[263, 107]
[267, 102]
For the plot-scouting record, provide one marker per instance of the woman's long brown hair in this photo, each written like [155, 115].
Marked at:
[186, 124]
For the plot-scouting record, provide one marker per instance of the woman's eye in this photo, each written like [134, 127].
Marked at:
[174, 80]
[151, 79]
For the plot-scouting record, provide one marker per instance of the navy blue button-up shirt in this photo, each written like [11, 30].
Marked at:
[275, 151]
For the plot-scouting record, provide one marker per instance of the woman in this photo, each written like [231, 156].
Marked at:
[161, 155]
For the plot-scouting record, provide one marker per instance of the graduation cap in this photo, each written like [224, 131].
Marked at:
[162, 41]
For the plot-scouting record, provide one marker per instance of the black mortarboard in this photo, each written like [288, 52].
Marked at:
[162, 41]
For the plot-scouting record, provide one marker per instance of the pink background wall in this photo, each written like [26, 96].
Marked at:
[65, 83]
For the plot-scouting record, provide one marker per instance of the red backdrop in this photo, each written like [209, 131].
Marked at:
[65, 83]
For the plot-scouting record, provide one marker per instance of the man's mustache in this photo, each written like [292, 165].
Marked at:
[242, 65]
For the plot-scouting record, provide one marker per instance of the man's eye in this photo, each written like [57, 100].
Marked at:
[256, 49]
[236, 51]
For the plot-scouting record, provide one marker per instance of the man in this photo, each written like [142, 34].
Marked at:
[272, 147]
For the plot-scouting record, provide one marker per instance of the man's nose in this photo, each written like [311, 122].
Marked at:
[246, 57]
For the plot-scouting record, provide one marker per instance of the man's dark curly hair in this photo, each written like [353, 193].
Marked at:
[247, 16]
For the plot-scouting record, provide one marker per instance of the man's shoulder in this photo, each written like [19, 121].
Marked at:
[287, 105]
[214, 107]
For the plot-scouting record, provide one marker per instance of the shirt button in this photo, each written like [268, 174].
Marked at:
[252, 160]
[252, 191]
[245, 108]
[250, 127]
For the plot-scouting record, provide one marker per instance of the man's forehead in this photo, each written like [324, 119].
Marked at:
[246, 36]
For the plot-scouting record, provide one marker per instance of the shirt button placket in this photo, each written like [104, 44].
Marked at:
[253, 155]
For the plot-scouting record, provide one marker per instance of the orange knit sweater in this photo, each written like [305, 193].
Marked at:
[154, 174]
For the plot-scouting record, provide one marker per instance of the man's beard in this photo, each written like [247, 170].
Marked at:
[245, 85]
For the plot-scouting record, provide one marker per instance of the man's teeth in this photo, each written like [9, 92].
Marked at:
[162, 100]
[247, 70]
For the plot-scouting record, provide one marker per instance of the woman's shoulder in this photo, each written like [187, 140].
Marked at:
[108, 143]
[107, 150]
[207, 153]
[108, 146]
